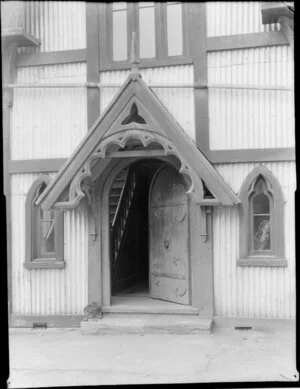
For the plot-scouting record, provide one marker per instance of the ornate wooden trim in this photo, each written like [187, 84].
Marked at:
[120, 139]
[161, 127]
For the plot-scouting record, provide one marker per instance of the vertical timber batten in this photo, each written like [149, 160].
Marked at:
[198, 47]
[92, 61]
[9, 53]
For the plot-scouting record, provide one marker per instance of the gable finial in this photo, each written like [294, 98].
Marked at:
[134, 60]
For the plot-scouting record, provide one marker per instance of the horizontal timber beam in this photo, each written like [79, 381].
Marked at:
[35, 165]
[51, 58]
[162, 85]
[244, 41]
[216, 43]
[135, 153]
[251, 155]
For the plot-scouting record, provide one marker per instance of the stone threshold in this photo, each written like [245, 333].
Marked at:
[123, 323]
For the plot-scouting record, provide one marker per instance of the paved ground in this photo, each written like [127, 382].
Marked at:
[57, 357]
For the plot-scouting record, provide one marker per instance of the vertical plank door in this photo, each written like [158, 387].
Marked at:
[169, 262]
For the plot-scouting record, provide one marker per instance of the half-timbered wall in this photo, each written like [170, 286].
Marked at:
[249, 118]
[259, 292]
[48, 123]
[179, 101]
[48, 291]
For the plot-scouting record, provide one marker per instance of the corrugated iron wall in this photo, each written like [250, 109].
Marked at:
[48, 291]
[48, 123]
[260, 292]
[179, 101]
[235, 17]
[242, 119]
[60, 25]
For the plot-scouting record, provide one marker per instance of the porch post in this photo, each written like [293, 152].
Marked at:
[201, 259]
[94, 253]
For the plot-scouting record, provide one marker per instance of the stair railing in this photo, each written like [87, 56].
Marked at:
[121, 216]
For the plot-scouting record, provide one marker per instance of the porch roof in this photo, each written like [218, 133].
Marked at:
[114, 127]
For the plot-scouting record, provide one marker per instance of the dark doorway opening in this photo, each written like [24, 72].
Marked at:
[129, 222]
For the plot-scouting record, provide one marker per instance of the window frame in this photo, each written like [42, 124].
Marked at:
[33, 257]
[276, 255]
[160, 19]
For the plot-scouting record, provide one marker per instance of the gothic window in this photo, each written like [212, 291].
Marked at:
[261, 220]
[44, 231]
[160, 30]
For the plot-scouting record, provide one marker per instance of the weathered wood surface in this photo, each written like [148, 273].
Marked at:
[169, 262]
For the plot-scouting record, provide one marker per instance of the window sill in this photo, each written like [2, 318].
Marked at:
[45, 264]
[263, 261]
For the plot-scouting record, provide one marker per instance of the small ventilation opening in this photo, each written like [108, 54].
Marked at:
[39, 325]
[243, 328]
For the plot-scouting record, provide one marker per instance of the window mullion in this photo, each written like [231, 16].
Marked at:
[163, 31]
[109, 36]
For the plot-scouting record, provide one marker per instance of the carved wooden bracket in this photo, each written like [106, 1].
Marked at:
[89, 191]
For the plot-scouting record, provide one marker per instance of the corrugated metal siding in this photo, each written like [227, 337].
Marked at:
[179, 101]
[48, 123]
[260, 292]
[242, 119]
[59, 25]
[48, 291]
[235, 17]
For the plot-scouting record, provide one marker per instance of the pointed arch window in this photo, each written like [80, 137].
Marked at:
[261, 220]
[44, 231]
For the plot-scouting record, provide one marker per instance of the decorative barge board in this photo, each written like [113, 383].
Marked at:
[136, 114]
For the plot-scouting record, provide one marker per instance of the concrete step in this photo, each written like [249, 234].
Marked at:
[146, 324]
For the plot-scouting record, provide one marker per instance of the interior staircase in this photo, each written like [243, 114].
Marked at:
[121, 196]
[115, 194]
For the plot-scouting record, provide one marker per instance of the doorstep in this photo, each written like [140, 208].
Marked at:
[145, 323]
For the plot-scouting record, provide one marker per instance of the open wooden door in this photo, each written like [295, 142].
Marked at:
[168, 230]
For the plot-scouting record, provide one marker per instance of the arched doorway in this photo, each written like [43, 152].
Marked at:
[149, 242]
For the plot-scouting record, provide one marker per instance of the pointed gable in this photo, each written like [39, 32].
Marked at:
[136, 112]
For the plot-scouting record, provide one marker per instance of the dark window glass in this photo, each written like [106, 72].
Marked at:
[261, 226]
[47, 240]
[261, 204]
[261, 222]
